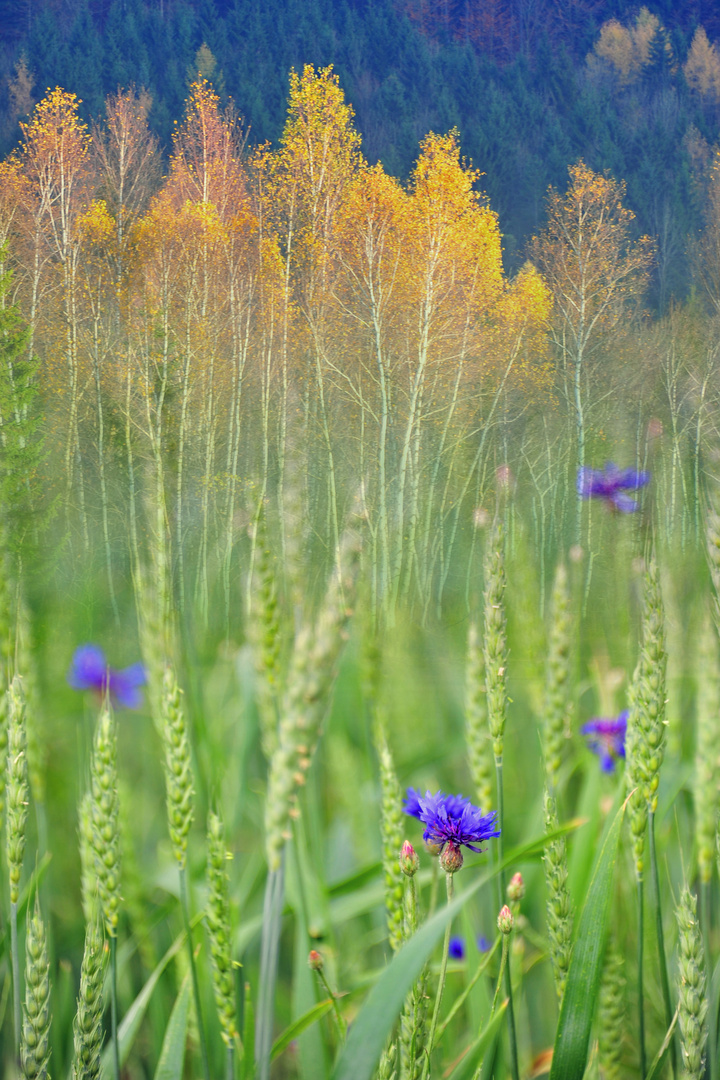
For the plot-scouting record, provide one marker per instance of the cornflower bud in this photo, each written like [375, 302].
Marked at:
[451, 858]
[315, 960]
[409, 861]
[516, 889]
[505, 920]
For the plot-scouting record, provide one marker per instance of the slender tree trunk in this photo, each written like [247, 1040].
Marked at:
[101, 464]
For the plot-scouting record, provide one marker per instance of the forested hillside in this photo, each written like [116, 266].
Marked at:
[531, 87]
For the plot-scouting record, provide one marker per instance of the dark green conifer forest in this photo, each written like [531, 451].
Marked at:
[521, 79]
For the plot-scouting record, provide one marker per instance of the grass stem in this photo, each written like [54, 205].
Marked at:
[660, 938]
[269, 947]
[501, 900]
[705, 920]
[441, 983]
[511, 1015]
[503, 965]
[641, 1000]
[498, 848]
[339, 1022]
[461, 998]
[17, 1018]
[113, 1007]
[182, 873]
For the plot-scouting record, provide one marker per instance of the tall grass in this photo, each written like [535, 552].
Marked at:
[259, 790]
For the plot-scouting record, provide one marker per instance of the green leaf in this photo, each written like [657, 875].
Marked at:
[248, 1061]
[355, 881]
[656, 1067]
[578, 1004]
[374, 1022]
[172, 1056]
[468, 1063]
[30, 889]
[128, 1029]
[298, 1026]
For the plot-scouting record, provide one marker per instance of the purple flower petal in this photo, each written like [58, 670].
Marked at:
[609, 484]
[606, 738]
[456, 948]
[125, 684]
[411, 803]
[623, 503]
[586, 481]
[89, 669]
[469, 827]
[632, 479]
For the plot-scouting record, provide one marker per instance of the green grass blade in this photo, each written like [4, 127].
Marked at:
[578, 1004]
[298, 1026]
[248, 1062]
[469, 1061]
[30, 889]
[656, 1067]
[374, 1022]
[130, 1026]
[172, 1056]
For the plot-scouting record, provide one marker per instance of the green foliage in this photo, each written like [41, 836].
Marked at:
[578, 1003]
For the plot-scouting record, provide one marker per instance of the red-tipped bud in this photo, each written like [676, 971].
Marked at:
[516, 889]
[451, 858]
[409, 861]
[315, 960]
[505, 920]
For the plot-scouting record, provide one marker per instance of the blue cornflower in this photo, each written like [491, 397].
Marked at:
[89, 670]
[483, 944]
[411, 803]
[454, 804]
[606, 737]
[456, 948]
[609, 484]
[452, 822]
